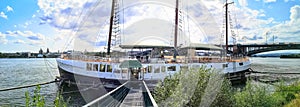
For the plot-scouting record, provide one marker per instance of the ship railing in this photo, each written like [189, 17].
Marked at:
[86, 58]
[166, 59]
[237, 59]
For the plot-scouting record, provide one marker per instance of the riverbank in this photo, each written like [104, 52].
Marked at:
[29, 55]
[290, 56]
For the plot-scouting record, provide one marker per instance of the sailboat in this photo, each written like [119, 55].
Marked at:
[154, 63]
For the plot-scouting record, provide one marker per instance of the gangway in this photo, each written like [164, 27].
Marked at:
[131, 93]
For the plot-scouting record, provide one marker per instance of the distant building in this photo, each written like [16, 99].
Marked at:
[48, 51]
[41, 51]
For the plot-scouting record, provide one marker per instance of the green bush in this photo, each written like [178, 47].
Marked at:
[37, 100]
[254, 95]
[289, 92]
[294, 103]
[59, 102]
[195, 87]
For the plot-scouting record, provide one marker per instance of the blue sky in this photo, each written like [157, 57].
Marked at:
[28, 25]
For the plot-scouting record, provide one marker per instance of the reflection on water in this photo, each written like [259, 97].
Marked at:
[20, 72]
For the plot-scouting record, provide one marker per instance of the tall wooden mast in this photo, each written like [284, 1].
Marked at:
[176, 29]
[110, 26]
[226, 24]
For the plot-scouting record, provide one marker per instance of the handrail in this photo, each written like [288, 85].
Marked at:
[151, 97]
[104, 96]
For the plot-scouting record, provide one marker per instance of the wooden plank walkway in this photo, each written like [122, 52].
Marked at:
[133, 99]
[129, 94]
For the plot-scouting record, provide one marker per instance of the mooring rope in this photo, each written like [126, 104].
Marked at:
[27, 86]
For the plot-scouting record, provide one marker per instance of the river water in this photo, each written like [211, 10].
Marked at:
[20, 72]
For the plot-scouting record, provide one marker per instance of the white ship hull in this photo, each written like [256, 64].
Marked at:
[107, 73]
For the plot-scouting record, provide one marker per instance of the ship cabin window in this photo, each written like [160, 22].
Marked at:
[95, 67]
[157, 69]
[163, 68]
[172, 68]
[117, 71]
[149, 69]
[109, 68]
[102, 67]
[225, 65]
[241, 64]
[124, 70]
[184, 67]
[196, 66]
[144, 70]
[88, 66]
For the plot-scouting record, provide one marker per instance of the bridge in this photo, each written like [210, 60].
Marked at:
[251, 49]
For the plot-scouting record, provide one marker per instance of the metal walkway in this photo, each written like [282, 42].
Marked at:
[129, 94]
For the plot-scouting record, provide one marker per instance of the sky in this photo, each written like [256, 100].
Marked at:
[28, 25]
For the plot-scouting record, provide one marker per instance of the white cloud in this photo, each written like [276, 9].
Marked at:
[3, 15]
[243, 3]
[3, 39]
[288, 0]
[289, 30]
[295, 14]
[205, 20]
[64, 14]
[269, 1]
[36, 43]
[8, 9]
[19, 42]
[28, 34]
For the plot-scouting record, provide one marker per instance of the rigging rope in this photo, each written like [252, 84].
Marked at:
[81, 21]
[236, 24]
[61, 93]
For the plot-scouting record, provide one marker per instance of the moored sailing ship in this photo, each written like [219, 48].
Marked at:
[151, 63]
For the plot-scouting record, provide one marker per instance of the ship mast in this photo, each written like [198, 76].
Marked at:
[226, 24]
[176, 29]
[110, 26]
